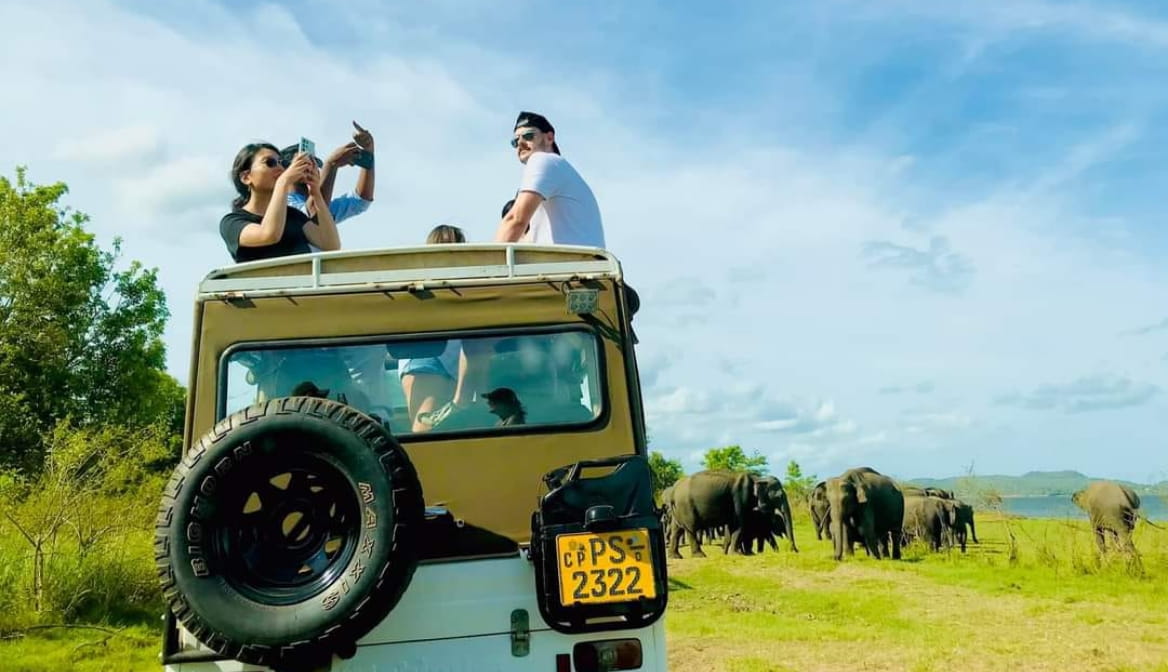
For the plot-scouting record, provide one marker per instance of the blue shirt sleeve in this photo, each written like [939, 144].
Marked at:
[349, 205]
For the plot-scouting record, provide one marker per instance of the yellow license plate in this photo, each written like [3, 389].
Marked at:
[609, 567]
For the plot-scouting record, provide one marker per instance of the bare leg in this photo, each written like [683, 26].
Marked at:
[425, 392]
[473, 365]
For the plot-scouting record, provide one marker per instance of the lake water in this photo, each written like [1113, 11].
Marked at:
[1152, 506]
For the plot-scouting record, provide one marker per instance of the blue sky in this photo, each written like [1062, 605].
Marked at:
[914, 236]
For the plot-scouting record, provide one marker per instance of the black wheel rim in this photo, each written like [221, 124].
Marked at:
[287, 529]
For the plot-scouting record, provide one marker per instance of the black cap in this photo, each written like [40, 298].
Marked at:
[503, 394]
[536, 121]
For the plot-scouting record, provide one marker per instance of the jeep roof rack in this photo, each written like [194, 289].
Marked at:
[413, 268]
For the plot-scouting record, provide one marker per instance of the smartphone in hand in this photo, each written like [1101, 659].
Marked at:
[307, 147]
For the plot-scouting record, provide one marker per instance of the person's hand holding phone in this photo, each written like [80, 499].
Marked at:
[312, 178]
[296, 172]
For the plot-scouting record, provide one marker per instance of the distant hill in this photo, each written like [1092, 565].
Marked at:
[1034, 483]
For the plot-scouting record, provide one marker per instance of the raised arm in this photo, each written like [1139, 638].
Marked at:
[341, 156]
[365, 179]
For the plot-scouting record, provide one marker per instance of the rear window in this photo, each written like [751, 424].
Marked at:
[510, 381]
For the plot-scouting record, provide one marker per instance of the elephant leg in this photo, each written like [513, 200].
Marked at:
[674, 540]
[734, 540]
[695, 547]
[1126, 543]
[1099, 540]
[871, 542]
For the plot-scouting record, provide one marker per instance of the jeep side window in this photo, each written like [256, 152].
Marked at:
[548, 378]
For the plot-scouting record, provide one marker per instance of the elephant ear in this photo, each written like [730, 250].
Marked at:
[861, 493]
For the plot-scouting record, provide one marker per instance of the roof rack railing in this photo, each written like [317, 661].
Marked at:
[226, 283]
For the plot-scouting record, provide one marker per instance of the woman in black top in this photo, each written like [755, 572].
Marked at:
[261, 224]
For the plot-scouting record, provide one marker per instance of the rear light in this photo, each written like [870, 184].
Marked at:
[609, 654]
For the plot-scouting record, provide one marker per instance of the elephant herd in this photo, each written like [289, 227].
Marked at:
[859, 506]
[745, 507]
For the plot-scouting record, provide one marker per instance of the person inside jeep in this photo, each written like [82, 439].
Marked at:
[535, 378]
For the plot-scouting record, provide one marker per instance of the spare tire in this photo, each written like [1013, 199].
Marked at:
[289, 531]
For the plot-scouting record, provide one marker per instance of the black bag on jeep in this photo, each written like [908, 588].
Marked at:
[599, 548]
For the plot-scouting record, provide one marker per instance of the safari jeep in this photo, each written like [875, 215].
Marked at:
[320, 520]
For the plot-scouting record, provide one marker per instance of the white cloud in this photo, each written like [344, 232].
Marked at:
[743, 245]
[192, 183]
[127, 145]
[1097, 392]
[934, 267]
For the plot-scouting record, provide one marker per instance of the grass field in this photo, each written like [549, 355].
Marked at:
[1048, 606]
[1051, 606]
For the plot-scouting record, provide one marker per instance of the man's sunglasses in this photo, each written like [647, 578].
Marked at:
[527, 137]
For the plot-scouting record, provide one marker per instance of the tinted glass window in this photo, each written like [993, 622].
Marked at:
[513, 380]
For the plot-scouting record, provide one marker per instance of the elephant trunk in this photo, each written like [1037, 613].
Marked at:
[839, 535]
[789, 525]
[973, 530]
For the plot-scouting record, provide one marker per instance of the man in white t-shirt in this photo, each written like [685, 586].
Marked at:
[554, 205]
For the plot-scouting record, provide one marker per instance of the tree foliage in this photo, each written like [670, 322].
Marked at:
[80, 339]
[732, 458]
[665, 472]
[95, 485]
[797, 485]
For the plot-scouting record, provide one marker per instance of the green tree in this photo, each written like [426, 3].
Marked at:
[732, 458]
[797, 485]
[80, 340]
[665, 472]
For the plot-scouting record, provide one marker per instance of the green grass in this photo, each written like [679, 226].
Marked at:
[1049, 605]
[84, 650]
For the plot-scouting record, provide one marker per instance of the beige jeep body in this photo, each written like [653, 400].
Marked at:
[551, 324]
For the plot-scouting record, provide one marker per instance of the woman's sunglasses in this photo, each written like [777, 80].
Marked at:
[527, 137]
[272, 162]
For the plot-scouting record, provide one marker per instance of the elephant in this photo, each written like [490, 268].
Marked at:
[817, 502]
[714, 498]
[912, 490]
[761, 529]
[930, 518]
[781, 506]
[1113, 509]
[667, 512]
[865, 502]
[918, 491]
[964, 525]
